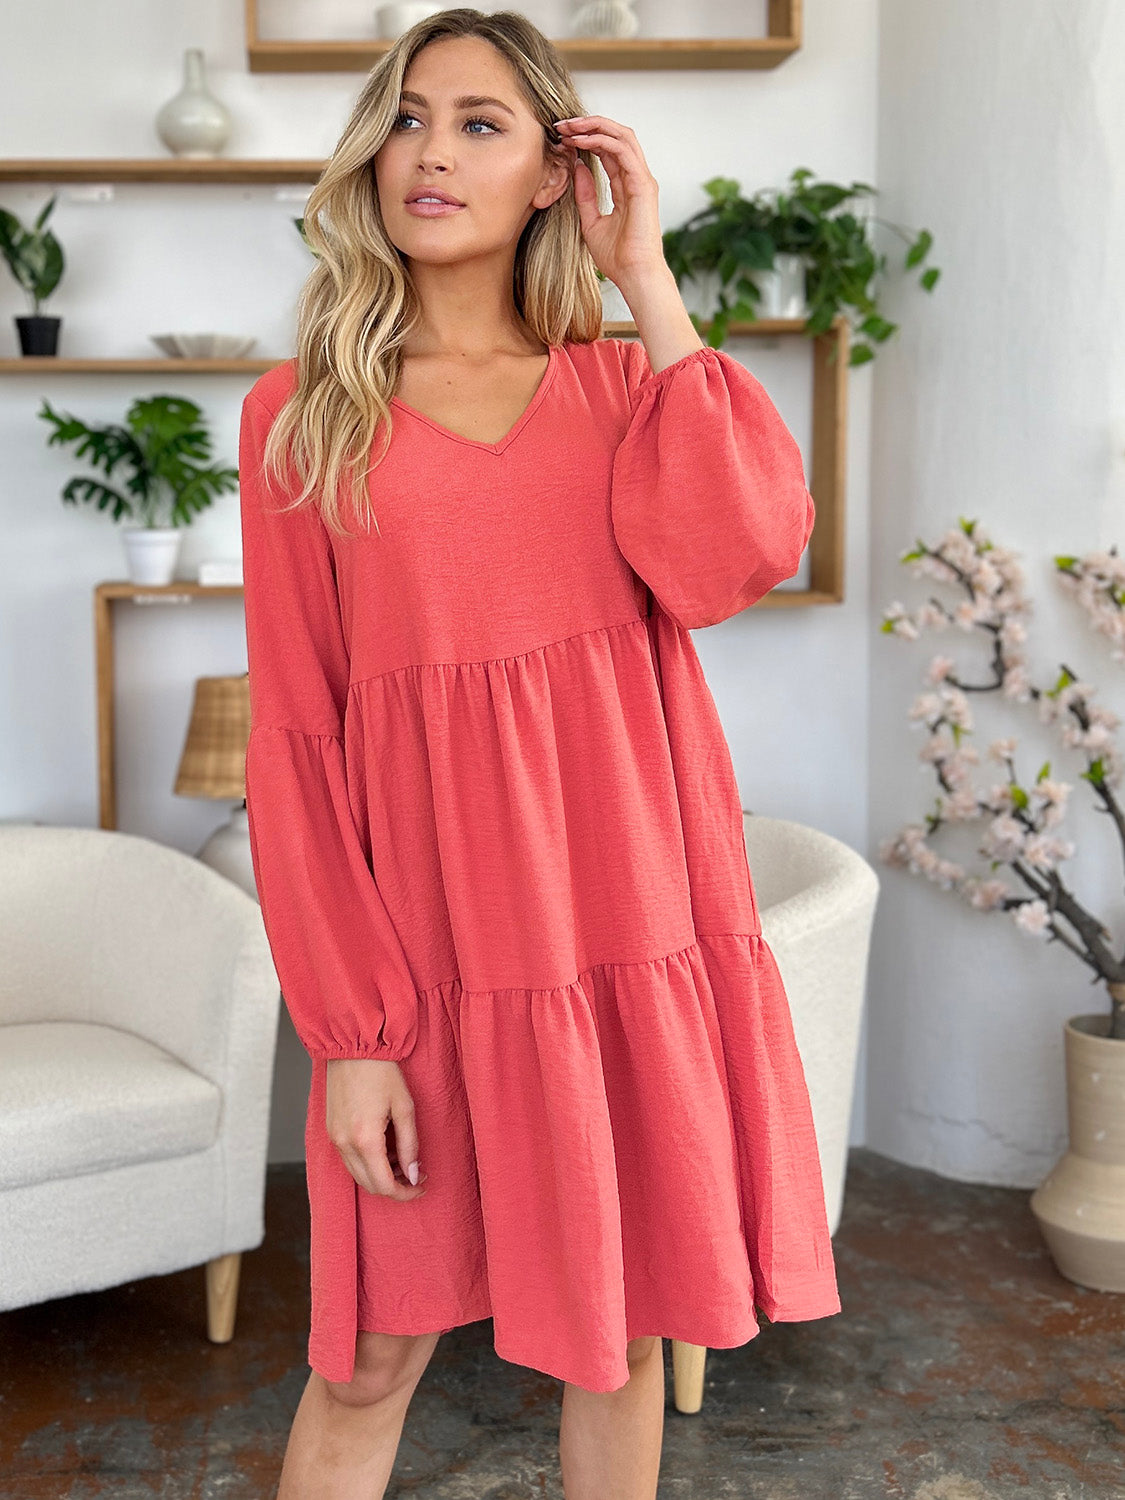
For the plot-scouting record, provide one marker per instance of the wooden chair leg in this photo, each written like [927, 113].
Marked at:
[222, 1296]
[688, 1361]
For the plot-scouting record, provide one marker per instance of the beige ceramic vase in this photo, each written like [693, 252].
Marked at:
[1080, 1205]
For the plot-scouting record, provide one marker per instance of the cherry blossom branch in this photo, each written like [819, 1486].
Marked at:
[1020, 831]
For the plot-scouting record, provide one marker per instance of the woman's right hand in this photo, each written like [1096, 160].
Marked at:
[363, 1096]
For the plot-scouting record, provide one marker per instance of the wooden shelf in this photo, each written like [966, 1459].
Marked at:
[258, 171]
[179, 591]
[782, 39]
[162, 364]
[581, 54]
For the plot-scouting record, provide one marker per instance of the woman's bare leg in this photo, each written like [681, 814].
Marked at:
[344, 1437]
[610, 1441]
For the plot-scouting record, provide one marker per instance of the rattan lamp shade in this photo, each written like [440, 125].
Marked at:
[214, 760]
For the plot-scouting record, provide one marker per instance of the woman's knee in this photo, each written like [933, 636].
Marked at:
[385, 1365]
[639, 1349]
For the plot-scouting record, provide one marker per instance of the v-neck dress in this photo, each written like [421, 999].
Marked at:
[497, 837]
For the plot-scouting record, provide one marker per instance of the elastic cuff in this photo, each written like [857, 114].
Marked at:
[356, 1053]
[651, 382]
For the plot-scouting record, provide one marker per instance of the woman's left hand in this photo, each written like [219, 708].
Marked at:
[626, 244]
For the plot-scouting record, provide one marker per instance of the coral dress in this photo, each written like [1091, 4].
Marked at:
[497, 837]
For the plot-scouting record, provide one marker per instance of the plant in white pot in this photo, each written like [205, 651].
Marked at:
[163, 449]
[1080, 1205]
[801, 251]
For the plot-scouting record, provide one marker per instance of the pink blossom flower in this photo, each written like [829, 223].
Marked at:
[960, 805]
[988, 895]
[1013, 632]
[1004, 838]
[930, 616]
[965, 615]
[1044, 851]
[1002, 749]
[1032, 916]
[1016, 684]
[925, 706]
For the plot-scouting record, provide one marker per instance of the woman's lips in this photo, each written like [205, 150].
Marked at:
[433, 210]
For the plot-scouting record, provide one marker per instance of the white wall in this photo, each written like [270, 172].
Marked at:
[1001, 129]
[791, 685]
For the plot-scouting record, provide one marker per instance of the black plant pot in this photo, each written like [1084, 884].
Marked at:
[38, 333]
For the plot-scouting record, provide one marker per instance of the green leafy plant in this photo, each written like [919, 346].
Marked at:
[34, 255]
[738, 236]
[165, 448]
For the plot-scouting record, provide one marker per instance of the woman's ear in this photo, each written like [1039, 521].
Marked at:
[558, 174]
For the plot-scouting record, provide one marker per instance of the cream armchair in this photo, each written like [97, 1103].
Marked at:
[138, 1020]
[816, 897]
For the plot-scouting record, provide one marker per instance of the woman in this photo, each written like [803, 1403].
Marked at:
[495, 825]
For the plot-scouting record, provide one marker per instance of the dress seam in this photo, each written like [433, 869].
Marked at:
[487, 661]
[609, 963]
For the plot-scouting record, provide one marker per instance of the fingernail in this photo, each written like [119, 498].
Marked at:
[412, 1173]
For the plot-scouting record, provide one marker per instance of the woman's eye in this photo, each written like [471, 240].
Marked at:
[475, 120]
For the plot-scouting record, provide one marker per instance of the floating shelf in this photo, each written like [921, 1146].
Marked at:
[162, 364]
[581, 54]
[259, 171]
[782, 39]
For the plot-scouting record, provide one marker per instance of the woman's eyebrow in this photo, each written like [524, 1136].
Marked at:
[466, 101]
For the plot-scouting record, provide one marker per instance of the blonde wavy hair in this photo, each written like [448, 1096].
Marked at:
[359, 303]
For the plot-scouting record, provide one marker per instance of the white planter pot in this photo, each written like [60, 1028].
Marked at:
[700, 294]
[151, 552]
[783, 288]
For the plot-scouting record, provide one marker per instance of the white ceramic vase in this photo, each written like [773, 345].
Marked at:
[1080, 1204]
[612, 19]
[393, 19]
[194, 123]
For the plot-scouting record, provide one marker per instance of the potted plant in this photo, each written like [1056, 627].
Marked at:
[35, 259]
[803, 249]
[163, 448]
[1080, 1205]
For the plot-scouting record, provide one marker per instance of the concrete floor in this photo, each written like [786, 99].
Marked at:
[963, 1367]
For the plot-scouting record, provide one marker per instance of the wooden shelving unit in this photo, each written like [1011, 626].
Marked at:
[105, 596]
[826, 475]
[583, 54]
[827, 460]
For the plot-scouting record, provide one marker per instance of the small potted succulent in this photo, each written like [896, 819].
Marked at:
[1019, 827]
[796, 252]
[35, 259]
[164, 450]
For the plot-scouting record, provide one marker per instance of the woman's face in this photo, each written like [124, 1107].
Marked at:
[487, 155]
